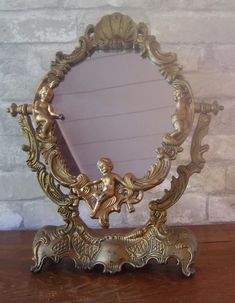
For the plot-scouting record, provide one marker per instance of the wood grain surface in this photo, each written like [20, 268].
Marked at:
[212, 283]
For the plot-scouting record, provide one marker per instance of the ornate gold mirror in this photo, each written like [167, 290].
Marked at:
[102, 100]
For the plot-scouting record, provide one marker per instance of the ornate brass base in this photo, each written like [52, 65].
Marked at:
[113, 250]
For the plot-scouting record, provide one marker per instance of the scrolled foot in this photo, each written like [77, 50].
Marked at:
[184, 248]
[187, 269]
[37, 267]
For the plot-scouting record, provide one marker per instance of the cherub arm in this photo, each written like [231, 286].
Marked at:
[120, 180]
[53, 114]
[89, 186]
[93, 182]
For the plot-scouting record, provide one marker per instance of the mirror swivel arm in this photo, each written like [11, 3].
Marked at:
[24, 109]
[205, 108]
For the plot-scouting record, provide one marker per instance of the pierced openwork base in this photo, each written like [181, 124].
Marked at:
[114, 250]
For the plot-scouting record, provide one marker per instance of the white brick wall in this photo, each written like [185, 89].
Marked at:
[201, 32]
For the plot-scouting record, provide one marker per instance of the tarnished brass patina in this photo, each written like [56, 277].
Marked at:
[105, 195]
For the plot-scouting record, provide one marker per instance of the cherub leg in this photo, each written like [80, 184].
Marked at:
[102, 198]
[95, 209]
[46, 127]
[130, 207]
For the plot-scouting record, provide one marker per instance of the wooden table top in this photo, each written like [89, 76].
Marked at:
[213, 282]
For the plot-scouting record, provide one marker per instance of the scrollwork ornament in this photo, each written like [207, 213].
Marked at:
[107, 194]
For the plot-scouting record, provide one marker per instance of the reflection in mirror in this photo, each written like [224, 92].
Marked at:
[116, 105]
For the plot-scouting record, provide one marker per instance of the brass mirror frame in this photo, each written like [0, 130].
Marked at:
[75, 240]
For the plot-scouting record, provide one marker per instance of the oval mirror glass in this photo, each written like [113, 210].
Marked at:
[116, 105]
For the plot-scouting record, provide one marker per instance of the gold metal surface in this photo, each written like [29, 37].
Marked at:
[107, 194]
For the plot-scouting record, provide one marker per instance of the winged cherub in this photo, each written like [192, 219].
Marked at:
[108, 193]
[44, 112]
[109, 180]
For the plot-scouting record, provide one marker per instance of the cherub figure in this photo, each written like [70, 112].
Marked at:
[44, 112]
[109, 180]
